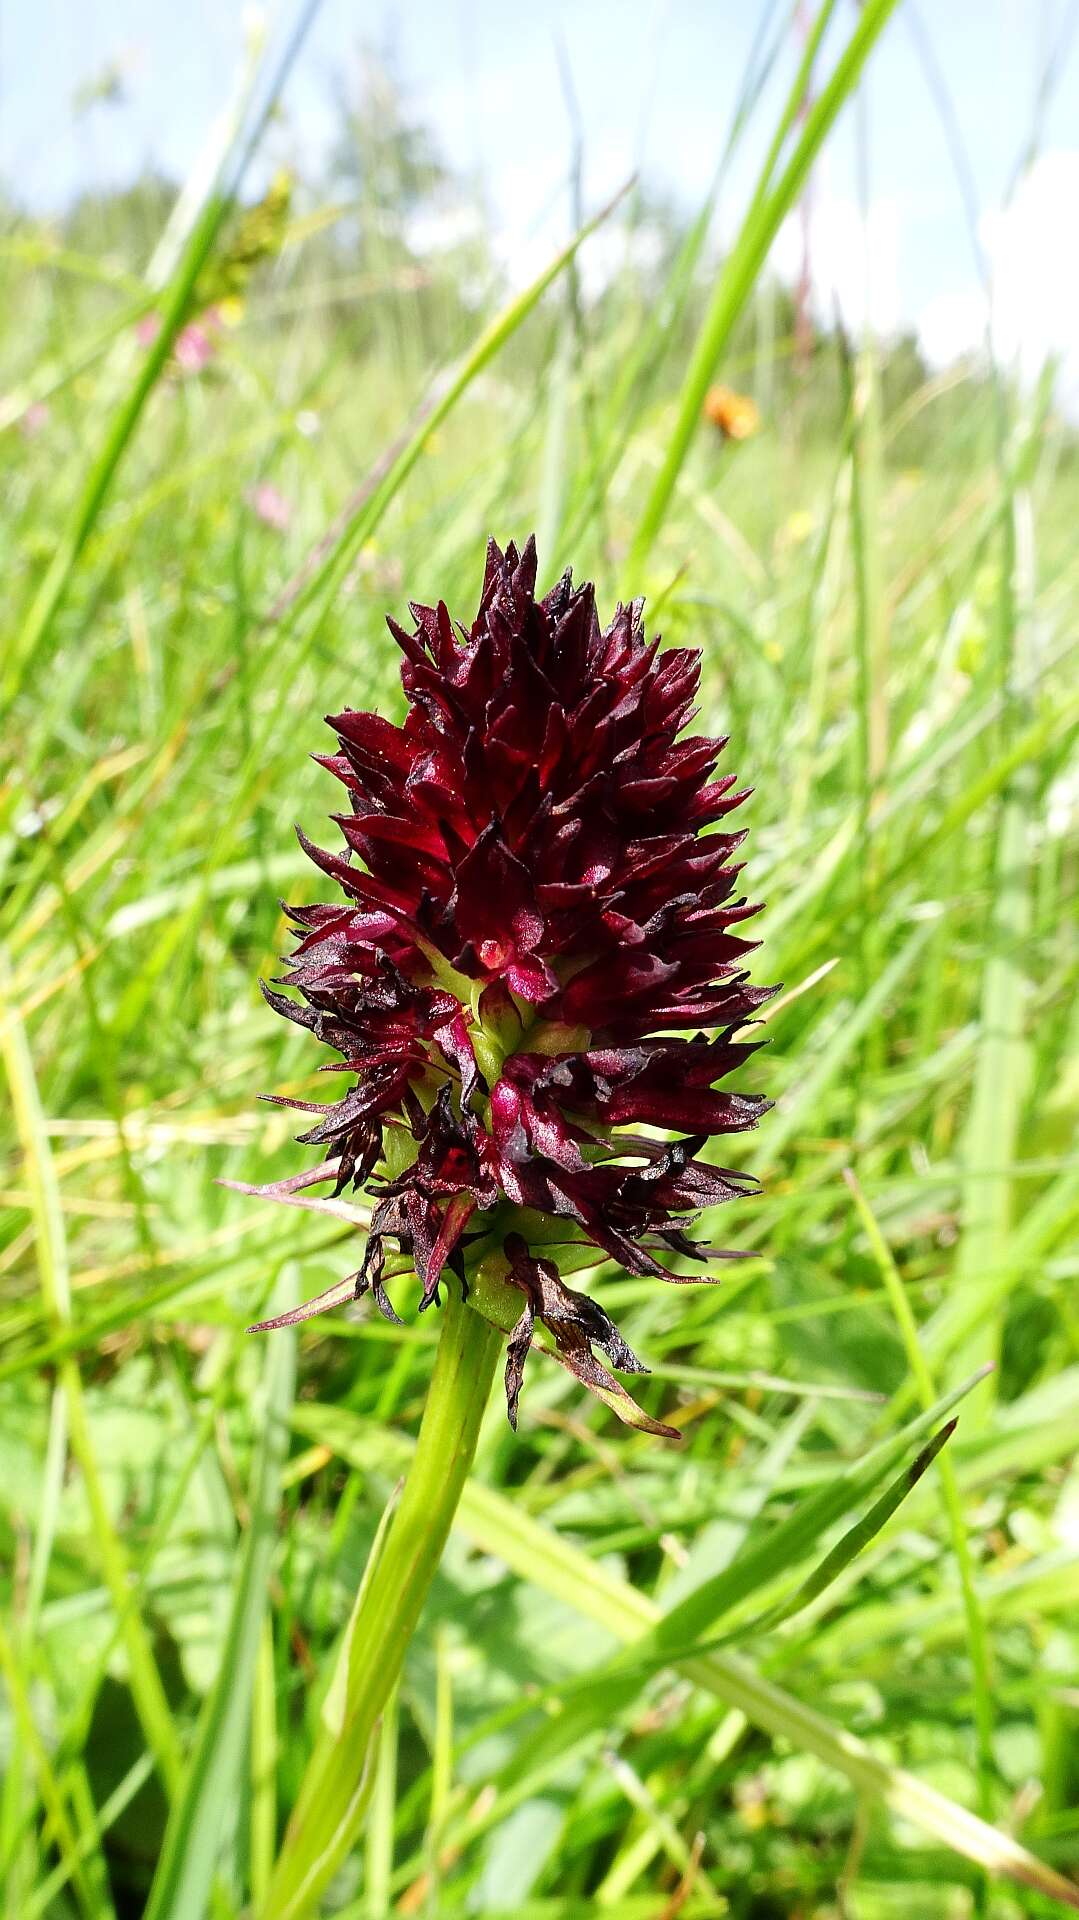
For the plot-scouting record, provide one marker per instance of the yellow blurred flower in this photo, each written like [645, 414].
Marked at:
[796, 529]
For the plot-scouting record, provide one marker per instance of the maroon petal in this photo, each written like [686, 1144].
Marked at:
[540, 950]
[491, 887]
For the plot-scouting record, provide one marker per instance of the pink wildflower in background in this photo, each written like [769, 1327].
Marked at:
[270, 506]
[194, 346]
[34, 420]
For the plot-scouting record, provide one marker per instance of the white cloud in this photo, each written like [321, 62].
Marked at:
[440, 229]
[952, 324]
[853, 259]
[1029, 246]
[612, 249]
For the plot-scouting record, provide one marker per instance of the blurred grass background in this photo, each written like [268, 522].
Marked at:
[232, 438]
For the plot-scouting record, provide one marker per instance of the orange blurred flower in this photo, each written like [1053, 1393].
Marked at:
[735, 414]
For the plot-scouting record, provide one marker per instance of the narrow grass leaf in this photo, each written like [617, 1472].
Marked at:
[739, 273]
[212, 1786]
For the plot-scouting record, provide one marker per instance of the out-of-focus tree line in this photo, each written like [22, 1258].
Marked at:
[383, 247]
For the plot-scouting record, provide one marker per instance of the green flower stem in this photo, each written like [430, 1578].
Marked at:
[333, 1796]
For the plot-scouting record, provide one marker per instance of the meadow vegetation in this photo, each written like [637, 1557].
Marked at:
[613, 1704]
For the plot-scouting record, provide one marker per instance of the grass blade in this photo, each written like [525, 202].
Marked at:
[979, 1649]
[50, 1242]
[853, 1541]
[499, 1526]
[740, 270]
[211, 1789]
[175, 305]
[322, 583]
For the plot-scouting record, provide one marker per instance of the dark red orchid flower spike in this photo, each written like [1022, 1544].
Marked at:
[539, 890]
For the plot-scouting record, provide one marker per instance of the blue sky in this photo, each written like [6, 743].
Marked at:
[656, 81]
